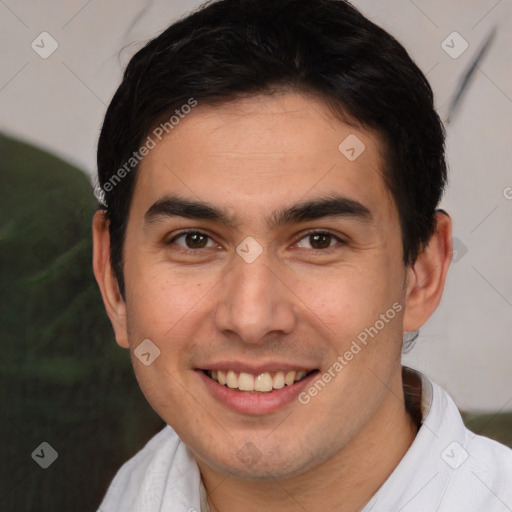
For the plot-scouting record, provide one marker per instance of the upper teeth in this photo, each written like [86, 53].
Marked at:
[262, 382]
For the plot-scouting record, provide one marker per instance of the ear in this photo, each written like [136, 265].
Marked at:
[427, 276]
[109, 288]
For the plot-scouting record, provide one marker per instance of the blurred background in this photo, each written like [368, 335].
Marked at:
[63, 379]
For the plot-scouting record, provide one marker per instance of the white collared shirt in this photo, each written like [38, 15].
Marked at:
[446, 469]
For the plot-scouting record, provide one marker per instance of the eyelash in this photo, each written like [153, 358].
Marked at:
[305, 235]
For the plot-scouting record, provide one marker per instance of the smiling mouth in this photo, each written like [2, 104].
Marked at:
[262, 383]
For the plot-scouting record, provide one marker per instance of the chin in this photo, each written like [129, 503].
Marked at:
[266, 463]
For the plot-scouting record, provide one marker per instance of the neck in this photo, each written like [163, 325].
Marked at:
[345, 482]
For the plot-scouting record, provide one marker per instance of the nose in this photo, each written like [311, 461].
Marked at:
[255, 303]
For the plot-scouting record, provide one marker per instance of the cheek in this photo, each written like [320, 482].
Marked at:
[350, 297]
[160, 297]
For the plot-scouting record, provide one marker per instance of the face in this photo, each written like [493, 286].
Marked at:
[293, 258]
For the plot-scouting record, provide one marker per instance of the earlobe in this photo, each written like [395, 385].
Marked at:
[427, 276]
[109, 288]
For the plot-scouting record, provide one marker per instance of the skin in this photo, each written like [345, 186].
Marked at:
[292, 304]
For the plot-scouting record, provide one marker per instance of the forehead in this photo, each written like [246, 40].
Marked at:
[258, 154]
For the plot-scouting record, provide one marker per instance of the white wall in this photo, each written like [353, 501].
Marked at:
[59, 103]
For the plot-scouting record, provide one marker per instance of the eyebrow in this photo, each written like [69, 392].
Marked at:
[324, 207]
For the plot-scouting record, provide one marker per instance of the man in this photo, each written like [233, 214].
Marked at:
[271, 171]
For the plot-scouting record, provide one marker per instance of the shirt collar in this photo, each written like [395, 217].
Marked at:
[421, 478]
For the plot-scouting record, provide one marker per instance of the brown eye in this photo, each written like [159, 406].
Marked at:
[192, 240]
[319, 241]
[195, 240]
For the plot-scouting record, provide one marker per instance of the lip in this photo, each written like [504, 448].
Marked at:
[255, 369]
[257, 403]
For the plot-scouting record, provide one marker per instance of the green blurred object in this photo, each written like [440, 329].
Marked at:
[63, 378]
[497, 426]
